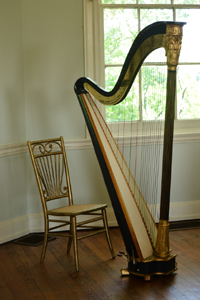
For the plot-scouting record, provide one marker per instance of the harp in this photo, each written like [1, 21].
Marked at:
[147, 246]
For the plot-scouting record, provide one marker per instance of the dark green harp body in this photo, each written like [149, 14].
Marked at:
[147, 245]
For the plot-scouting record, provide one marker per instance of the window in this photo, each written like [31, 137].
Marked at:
[114, 24]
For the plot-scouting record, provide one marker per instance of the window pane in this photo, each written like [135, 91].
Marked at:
[128, 109]
[120, 29]
[190, 48]
[148, 16]
[188, 92]
[154, 80]
[186, 1]
[118, 1]
[154, 1]
[157, 56]
[111, 76]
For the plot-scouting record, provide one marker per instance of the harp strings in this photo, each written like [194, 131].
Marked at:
[130, 182]
[142, 149]
[152, 132]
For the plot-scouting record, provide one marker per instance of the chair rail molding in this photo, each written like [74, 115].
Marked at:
[18, 148]
[180, 137]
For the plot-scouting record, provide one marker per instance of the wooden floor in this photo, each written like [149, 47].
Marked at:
[23, 277]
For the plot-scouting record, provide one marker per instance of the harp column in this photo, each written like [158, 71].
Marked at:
[172, 45]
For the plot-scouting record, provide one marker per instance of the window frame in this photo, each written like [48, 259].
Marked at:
[184, 130]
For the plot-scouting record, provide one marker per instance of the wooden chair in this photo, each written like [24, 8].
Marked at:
[52, 174]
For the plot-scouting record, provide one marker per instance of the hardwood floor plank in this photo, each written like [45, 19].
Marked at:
[16, 253]
[116, 266]
[80, 285]
[57, 273]
[4, 290]
[191, 255]
[100, 272]
[189, 278]
[112, 273]
[22, 276]
[17, 285]
[90, 262]
[40, 275]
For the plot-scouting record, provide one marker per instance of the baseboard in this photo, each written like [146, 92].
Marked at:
[17, 227]
[186, 224]
[14, 228]
[189, 210]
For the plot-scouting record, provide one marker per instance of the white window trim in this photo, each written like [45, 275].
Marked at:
[93, 36]
[184, 130]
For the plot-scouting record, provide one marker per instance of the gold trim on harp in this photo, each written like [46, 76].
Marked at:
[172, 44]
[171, 41]
[147, 277]
[147, 47]
[162, 249]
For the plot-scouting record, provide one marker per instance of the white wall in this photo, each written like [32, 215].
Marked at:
[12, 112]
[13, 185]
[41, 57]
[53, 60]
[186, 173]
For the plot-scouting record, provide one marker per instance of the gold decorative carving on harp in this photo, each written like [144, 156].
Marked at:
[147, 247]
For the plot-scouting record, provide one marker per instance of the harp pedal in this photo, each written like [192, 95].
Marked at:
[147, 277]
[123, 255]
[125, 272]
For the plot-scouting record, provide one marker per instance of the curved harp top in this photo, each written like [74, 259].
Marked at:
[156, 35]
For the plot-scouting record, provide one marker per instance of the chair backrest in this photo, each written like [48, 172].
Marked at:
[51, 169]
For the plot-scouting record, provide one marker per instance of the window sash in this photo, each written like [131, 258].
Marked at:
[94, 40]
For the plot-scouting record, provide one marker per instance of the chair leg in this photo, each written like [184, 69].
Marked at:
[74, 234]
[105, 221]
[70, 238]
[45, 241]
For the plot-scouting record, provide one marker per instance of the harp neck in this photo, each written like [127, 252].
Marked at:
[154, 36]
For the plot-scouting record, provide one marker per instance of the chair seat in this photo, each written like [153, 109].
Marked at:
[74, 210]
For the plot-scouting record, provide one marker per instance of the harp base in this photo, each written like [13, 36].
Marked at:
[150, 267]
